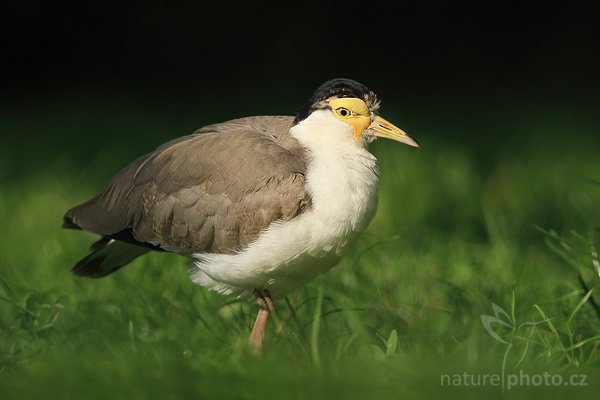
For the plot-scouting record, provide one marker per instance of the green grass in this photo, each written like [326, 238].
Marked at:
[508, 217]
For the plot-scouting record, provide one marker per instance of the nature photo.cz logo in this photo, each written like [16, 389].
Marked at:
[516, 349]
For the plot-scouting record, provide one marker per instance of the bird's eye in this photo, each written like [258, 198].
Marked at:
[343, 112]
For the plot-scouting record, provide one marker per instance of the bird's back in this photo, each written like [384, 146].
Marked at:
[213, 191]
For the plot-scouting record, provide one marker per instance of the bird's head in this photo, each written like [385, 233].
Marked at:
[353, 103]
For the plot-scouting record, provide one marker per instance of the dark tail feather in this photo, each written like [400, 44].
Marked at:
[107, 256]
[99, 244]
[69, 224]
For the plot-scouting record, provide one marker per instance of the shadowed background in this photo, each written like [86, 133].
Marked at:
[502, 96]
[483, 70]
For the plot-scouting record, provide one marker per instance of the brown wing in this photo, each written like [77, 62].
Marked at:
[212, 191]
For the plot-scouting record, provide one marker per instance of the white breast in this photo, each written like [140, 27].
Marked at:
[342, 181]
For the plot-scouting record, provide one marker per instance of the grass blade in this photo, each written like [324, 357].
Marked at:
[553, 330]
[314, 333]
[579, 305]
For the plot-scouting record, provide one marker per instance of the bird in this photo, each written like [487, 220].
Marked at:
[261, 205]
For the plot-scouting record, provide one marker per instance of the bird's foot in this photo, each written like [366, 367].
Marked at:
[266, 306]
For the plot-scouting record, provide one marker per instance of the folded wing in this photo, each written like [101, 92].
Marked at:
[213, 191]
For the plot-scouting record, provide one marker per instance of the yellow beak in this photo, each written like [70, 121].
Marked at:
[385, 129]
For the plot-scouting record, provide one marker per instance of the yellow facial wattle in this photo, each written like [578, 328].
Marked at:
[353, 111]
[356, 112]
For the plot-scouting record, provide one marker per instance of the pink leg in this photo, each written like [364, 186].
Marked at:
[263, 298]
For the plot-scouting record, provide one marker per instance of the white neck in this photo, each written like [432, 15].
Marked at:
[342, 174]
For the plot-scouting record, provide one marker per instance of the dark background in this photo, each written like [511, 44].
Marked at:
[82, 78]
[220, 48]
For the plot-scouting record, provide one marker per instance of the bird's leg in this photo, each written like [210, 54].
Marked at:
[265, 304]
[269, 300]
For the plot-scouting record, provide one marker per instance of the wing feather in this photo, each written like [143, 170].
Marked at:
[212, 191]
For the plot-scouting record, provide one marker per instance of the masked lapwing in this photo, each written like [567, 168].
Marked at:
[262, 204]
